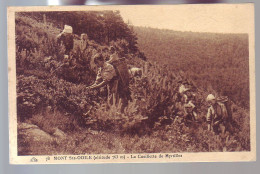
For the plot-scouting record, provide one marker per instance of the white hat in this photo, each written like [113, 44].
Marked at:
[210, 97]
[84, 36]
[67, 29]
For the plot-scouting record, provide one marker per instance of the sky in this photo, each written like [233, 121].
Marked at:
[217, 18]
[196, 18]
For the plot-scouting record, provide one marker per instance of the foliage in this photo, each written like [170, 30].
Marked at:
[51, 94]
[212, 61]
[100, 26]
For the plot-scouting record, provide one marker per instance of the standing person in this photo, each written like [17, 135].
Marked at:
[217, 115]
[66, 38]
[109, 75]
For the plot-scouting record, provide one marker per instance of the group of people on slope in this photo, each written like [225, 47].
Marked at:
[112, 69]
[219, 114]
[113, 73]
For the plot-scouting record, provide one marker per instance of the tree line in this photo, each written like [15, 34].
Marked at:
[101, 26]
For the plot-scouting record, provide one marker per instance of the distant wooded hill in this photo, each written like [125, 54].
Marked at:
[215, 62]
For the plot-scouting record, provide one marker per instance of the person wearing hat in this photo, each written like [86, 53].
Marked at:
[107, 76]
[66, 38]
[106, 72]
[216, 115]
[185, 106]
[189, 106]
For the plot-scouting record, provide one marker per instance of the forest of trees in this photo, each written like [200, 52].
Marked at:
[101, 26]
[217, 62]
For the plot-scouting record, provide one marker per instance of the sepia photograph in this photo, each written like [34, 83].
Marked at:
[147, 83]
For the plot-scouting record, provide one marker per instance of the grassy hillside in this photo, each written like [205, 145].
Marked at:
[212, 61]
[54, 99]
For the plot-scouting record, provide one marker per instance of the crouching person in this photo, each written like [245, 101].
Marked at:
[108, 75]
[190, 113]
[188, 98]
[217, 116]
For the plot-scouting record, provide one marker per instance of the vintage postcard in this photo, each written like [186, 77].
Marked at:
[131, 84]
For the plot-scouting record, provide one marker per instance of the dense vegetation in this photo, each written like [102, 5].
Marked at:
[101, 26]
[51, 92]
[212, 61]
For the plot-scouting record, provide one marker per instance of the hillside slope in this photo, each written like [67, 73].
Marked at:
[53, 99]
[217, 62]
